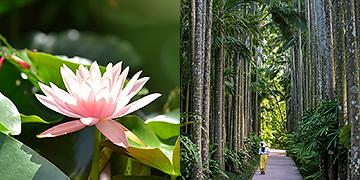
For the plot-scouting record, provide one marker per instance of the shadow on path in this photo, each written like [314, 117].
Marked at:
[279, 167]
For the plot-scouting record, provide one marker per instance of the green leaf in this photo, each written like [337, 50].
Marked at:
[158, 154]
[166, 125]
[18, 161]
[21, 92]
[35, 119]
[10, 123]
[122, 165]
[48, 67]
[72, 153]
[176, 155]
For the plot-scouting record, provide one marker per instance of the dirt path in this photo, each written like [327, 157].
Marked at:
[279, 167]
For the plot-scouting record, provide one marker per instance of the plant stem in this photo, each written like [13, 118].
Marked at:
[96, 152]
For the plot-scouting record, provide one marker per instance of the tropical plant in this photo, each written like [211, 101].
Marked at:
[28, 69]
[317, 136]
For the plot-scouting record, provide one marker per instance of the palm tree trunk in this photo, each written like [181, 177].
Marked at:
[300, 73]
[235, 109]
[206, 86]
[218, 103]
[241, 103]
[353, 87]
[314, 53]
[330, 77]
[320, 47]
[197, 87]
[341, 77]
[293, 121]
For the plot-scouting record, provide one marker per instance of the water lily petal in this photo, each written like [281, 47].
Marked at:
[114, 132]
[61, 95]
[139, 84]
[82, 73]
[95, 71]
[61, 129]
[109, 109]
[129, 86]
[89, 121]
[70, 80]
[117, 87]
[116, 71]
[132, 136]
[137, 104]
[51, 104]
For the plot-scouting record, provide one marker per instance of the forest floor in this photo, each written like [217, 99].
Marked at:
[279, 167]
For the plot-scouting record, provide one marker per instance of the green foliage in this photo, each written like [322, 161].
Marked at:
[318, 133]
[166, 151]
[71, 153]
[232, 157]
[187, 155]
[249, 159]
[18, 161]
[10, 123]
[214, 170]
[345, 136]
[167, 125]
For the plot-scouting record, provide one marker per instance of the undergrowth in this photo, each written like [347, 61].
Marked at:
[246, 159]
[317, 135]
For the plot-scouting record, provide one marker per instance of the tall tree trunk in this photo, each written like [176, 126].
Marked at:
[218, 103]
[353, 88]
[242, 102]
[314, 53]
[357, 21]
[294, 119]
[256, 114]
[300, 73]
[197, 86]
[330, 77]
[307, 72]
[236, 109]
[320, 49]
[206, 87]
[341, 77]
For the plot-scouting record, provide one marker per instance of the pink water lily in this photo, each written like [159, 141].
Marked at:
[95, 100]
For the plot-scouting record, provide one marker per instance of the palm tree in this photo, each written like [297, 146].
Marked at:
[341, 76]
[353, 87]
[197, 83]
[206, 85]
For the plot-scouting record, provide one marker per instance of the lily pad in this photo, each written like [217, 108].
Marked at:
[72, 153]
[157, 154]
[20, 90]
[18, 161]
[166, 125]
[48, 67]
[10, 123]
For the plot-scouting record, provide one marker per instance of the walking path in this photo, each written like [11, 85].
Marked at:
[279, 167]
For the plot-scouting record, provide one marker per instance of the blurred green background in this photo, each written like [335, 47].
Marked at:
[143, 34]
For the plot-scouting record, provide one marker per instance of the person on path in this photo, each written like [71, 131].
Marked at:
[263, 152]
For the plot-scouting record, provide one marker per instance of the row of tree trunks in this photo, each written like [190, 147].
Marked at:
[216, 116]
[321, 73]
